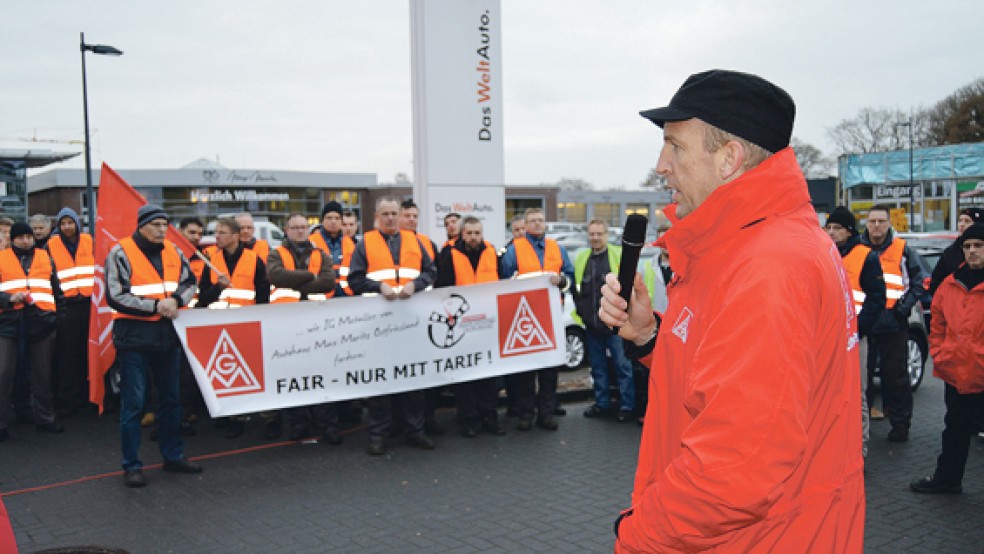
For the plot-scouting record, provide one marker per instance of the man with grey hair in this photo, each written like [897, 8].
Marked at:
[41, 226]
[246, 231]
[751, 439]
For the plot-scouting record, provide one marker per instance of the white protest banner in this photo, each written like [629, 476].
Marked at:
[277, 356]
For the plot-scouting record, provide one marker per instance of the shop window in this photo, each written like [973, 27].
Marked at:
[572, 212]
[636, 209]
[610, 213]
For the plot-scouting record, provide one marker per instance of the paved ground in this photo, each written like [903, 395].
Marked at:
[525, 492]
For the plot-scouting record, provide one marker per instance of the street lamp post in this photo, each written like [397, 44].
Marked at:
[912, 188]
[105, 50]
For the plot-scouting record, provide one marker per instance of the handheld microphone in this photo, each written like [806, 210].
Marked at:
[633, 239]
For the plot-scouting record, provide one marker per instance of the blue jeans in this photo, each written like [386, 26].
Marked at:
[597, 344]
[134, 370]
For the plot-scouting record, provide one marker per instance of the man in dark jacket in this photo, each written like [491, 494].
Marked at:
[28, 294]
[953, 255]
[903, 284]
[864, 274]
[147, 281]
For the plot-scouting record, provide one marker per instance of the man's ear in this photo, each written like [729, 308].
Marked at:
[730, 160]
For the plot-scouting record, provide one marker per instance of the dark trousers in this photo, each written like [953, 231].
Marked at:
[72, 344]
[40, 354]
[191, 395]
[536, 390]
[896, 387]
[476, 401]
[321, 418]
[137, 371]
[963, 415]
[381, 412]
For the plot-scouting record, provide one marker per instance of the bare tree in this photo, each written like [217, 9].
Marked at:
[811, 160]
[569, 183]
[880, 130]
[959, 117]
[653, 180]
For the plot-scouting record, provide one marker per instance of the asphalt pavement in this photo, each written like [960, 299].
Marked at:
[536, 491]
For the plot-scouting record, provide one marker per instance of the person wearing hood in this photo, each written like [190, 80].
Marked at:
[71, 253]
[29, 293]
[751, 441]
[864, 274]
[953, 255]
[148, 280]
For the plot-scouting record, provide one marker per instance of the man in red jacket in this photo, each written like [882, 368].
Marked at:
[751, 441]
[956, 341]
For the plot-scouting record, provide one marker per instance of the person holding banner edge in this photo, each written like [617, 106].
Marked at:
[529, 255]
[147, 281]
[394, 264]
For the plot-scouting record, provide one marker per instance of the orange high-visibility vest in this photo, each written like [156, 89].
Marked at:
[280, 295]
[487, 270]
[428, 245]
[77, 275]
[341, 270]
[853, 263]
[380, 264]
[261, 247]
[145, 282]
[528, 263]
[242, 290]
[36, 282]
[198, 268]
[896, 279]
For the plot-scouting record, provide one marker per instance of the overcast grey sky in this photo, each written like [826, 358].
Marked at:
[325, 85]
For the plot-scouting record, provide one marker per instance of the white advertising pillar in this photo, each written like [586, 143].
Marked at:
[456, 60]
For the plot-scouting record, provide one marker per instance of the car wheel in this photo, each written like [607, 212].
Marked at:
[575, 348]
[917, 352]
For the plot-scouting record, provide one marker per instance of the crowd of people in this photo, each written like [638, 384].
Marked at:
[47, 277]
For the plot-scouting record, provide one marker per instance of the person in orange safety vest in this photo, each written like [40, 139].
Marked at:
[330, 239]
[71, 253]
[247, 230]
[29, 293]
[864, 274]
[148, 281]
[890, 335]
[392, 263]
[469, 261]
[751, 440]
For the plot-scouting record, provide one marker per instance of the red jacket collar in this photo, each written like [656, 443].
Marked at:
[774, 187]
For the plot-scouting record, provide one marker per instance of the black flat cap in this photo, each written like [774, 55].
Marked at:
[742, 104]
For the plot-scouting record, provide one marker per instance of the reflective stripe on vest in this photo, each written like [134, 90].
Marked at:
[487, 271]
[528, 263]
[341, 270]
[280, 295]
[241, 291]
[75, 275]
[853, 263]
[380, 264]
[36, 282]
[896, 276]
[145, 282]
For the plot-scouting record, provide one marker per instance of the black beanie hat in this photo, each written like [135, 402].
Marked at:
[976, 214]
[975, 231]
[331, 206]
[20, 228]
[150, 212]
[843, 217]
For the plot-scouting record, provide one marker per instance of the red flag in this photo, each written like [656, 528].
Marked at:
[116, 219]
